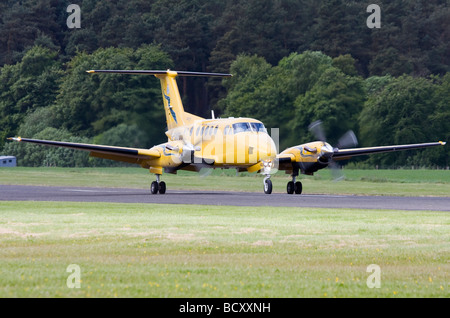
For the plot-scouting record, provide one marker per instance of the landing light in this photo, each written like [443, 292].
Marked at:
[268, 163]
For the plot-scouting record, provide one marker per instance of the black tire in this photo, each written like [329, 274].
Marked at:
[268, 186]
[290, 187]
[154, 187]
[162, 187]
[298, 187]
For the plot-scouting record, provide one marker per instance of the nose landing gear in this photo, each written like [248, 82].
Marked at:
[267, 185]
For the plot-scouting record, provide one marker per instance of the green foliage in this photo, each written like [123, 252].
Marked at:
[406, 111]
[206, 35]
[24, 24]
[121, 135]
[26, 86]
[336, 99]
[89, 104]
[248, 73]
[32, 155]
[344, 63]
[37, 121]
[299, 90]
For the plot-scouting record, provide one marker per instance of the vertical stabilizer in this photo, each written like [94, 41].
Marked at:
[173, 106]
[175, 114]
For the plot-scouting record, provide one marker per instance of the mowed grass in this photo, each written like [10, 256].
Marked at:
[146, 250]
[359, 182]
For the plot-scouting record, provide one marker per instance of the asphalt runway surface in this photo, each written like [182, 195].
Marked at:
[72, 194]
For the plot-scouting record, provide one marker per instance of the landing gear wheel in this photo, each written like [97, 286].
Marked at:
[267, 186]
[162, 187]
[154, 187]
[290, 187]
[298, 187]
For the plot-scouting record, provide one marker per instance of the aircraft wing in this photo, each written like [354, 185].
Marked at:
[130, 155]
[343, 154]
[285, 160]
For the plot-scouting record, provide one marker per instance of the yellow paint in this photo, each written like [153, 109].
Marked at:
[301, 154]
[238, 143]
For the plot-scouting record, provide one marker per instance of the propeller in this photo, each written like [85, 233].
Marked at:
[186, 154]
[348, 140]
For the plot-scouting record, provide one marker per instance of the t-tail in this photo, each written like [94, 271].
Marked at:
[173, 106]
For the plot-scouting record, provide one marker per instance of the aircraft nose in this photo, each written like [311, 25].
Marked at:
[267, 148]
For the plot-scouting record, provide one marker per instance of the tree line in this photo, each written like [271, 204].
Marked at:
[293, 61]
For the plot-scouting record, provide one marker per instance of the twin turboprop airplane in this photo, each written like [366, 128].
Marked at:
[240, 143]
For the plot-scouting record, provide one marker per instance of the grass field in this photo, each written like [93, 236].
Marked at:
[148, 250]
[139, 250]
[361, 182]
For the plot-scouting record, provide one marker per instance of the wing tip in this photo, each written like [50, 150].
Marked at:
[15, 138]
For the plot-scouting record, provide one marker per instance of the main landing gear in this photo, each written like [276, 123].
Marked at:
[158, 186]
[294, 186]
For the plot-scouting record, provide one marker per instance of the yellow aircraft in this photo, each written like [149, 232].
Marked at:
[240, 143]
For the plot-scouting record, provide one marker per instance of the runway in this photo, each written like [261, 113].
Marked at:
[72, 194]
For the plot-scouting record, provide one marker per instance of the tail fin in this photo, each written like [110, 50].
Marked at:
[175, 114]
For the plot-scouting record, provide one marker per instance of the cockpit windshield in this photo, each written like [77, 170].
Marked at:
[258, 127]
[241, 127]
[255, 127]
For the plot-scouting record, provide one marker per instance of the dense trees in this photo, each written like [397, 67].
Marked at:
[209, 34]
[26, 86]
[293, 61]
[107, 108]
[408, 110]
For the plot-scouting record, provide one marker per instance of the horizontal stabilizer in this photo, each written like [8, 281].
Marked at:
[168, 72]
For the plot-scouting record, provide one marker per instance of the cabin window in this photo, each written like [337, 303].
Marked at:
[215, 130]
[206, 131]
[198, 131]
[191, 130]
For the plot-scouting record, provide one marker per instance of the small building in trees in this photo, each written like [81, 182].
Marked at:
[8, 161]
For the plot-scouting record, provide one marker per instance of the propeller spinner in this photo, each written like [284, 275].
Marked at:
[348, 140]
